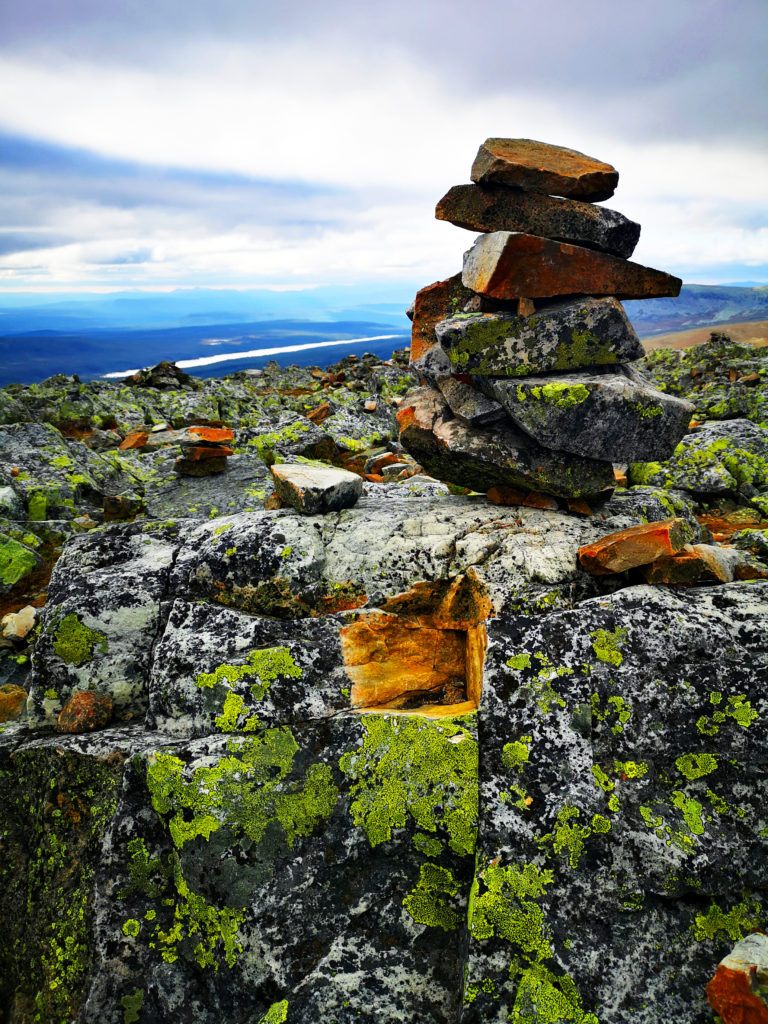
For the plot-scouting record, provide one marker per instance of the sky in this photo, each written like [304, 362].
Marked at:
[243, 144]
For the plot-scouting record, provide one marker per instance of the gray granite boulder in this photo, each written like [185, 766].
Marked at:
[316, 489]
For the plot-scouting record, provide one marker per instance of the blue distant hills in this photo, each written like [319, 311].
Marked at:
[95, 335]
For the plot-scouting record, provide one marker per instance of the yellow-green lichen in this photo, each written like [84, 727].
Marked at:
[276, 1014]
[75, 642]
[16, 561]
[543, 997]
[507, 907]
[515, 755]
[132, 1005]
[736, 922]
[606, 645]
[695, 766]
[430, 902]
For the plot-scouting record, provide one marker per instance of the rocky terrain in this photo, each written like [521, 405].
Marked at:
[380, 748]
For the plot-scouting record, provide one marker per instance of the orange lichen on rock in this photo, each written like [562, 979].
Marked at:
[505, 496]
[433, 304]
[12, 701]
[322, 412]
[635, 546]
[85, 711]
[740, 981]
[135, 439]
[215, 435]
[199, 453]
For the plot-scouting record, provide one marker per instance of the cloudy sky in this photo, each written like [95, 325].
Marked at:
[241, 143]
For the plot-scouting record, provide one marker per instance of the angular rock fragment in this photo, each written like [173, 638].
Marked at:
[434, 303]
[539, 167]
[449, 449]
[704, 563]
[315, 490]
[511, 265]
[738, 993]
[603, 416]
[635, 546]
[85, 711]
[468, 403]
[562, 336]
[496, 208]
[13, 700]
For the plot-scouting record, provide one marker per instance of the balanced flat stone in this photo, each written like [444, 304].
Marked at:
[471, 405]
[434, 303]
[450, 450]
[563, 336]
[496, 208]
[538, 167]
[603, 416]
[315, 489]
[510, 265]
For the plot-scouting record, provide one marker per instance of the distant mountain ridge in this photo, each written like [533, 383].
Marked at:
[698, 305]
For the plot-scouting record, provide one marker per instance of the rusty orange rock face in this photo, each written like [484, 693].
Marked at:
[320, 414]
[433, 304]
[200, 452]
[638, 545]
[85, 711]
[12, 701]
[136, 439]
[731, 996]
[216, 435]
[539, 167]
[511, 265]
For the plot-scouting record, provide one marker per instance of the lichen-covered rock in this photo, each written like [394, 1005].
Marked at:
[540, 167]
[639, 545]
[559, 337]
[470, 404]
[432, 304]
[739, 990]
[85, 711]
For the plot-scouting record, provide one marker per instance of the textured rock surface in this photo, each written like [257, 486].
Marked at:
[315, 489]
[509, 265]
[539, 167]
[496, 208]
[739, 990]
[434, 303]
[607, 416]
[471, 405]
[449, 449]
[561, 336]
[638, 545]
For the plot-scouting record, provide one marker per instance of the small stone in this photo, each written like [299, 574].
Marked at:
[705, 563]
[201, 453]
[371, 405]
[213, 435]
[122, 506]
[559, 337]
[579, 506]
[315, 490]
[534, 500]
[432, 304]
[85, 711]
[378, 462]
[160, 426]
[204, 467]
[638, 545]
[320, 414]
[496, 208]
[738, 993]
[510, 265]
[16, 625]
[468, 403]
[14, 470]
[273, 502]
[13, 700]
[135, 439]
[538, 167]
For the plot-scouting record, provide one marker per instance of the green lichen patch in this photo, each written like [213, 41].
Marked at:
[75, 643]
[607, 645]
[742, 918]
[16, 561]
[544, 997]
[430, 902]
[503, 903]
[415, 769]
[696, 766]
[132, 1005]
[276, 1014]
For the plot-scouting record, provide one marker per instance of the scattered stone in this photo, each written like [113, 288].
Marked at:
[122, 506]
[85, 711]
[370, 405]
[135, 439]
[562, 336]
[449, 449]
[505, 496]
[468, 403]
[13, 701]
[704, 563]
[432, 304]
[16, 625]
[638, 545]
[213, 435]
[313, 490]
[603, 416]
[539, 167]
[489, 208]
[738, 993]
[322, 412]
[165, 376]
[510, 265]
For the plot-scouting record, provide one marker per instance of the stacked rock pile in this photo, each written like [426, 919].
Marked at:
[527, 354]
[204, 450]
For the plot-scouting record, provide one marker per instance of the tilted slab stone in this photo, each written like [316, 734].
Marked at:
[315, 489]
[638, 545]
[539, 167]
[496, 208]
[511, 265]
[564, 336]
[605, 416]
[434, 303]
[449, 449]
[470, 404]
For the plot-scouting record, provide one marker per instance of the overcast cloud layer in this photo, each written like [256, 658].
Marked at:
[235, 144]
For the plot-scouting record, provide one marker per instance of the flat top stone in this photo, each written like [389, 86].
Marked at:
[540, 167]
[313, 477]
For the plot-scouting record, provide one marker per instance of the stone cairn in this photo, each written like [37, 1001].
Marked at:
[526, 355]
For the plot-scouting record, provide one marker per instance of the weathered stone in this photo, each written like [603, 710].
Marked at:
[432, 304]
[638, 545]
[199, 453]
[540, 167]
[496, 208]
[469, 403]
[17, 625]
[315, 490]
[603, 416]
[201, 467]
[510, 265]
[561, 336]
[738, 993]
[704, 563]
[212, 435]
[451, 450]
[13, 701]
[85, 711]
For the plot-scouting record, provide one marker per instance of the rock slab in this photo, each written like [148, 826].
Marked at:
[314, 489]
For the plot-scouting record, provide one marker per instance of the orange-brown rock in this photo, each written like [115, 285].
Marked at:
[635, 546]
[135, 439]
[215, 435]
[535, 500]
[459, 603]
[374, 478]
[579, 506]
[505, 496]
[375, 465]
[510, 265]
[433, 304]
[538, 167]
[85, 711]
[738, 990]
[273, 501]
[322, 412]
[13, 700]
[200, 452]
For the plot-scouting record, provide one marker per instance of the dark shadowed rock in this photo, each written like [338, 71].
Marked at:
[603, 416]
[510, 265]
[561, 336]
[470, 404]
[449, 449]
[539, 167]
[496, 208]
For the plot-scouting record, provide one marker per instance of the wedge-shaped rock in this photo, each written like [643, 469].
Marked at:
[539, 167]
[605, 416]
[639, 545]
[496, 208]
[511, 265]
[434, 303]
[314, 489]
[564, 336]
[471, 405]
[451, 450]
